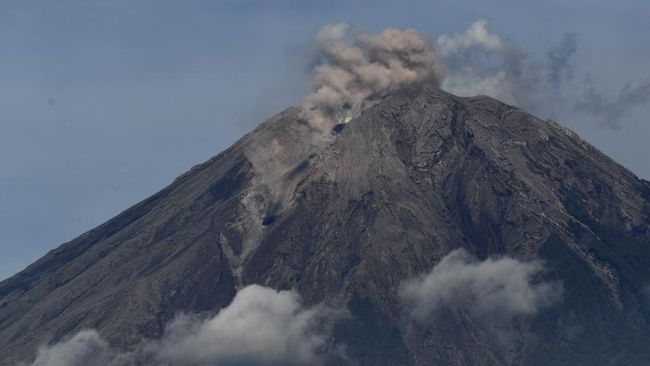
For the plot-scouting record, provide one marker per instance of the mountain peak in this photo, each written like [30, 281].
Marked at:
[346, 216]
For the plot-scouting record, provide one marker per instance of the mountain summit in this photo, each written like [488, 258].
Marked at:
[357, 220]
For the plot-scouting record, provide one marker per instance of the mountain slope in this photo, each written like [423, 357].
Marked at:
[417, 175]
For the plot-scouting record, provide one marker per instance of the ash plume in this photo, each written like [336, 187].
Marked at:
[354, 70]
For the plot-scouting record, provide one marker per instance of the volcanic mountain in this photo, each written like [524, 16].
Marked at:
[347, 221]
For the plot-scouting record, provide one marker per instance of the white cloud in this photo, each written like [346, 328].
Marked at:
[480, 62]
[332, 32]
[261, 326]
[476, 36]
[492, 289]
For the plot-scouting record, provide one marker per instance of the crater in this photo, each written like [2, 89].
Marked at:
[269, 220]
[338, 128]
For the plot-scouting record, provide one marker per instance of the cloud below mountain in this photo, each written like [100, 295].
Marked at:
[496, 288]
[84, 348]
[261, 326]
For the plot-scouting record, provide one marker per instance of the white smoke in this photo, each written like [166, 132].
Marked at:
[355, 70]
[480, 62]
[483, 63]
[261, 326]
[492, 289]
[476, 36]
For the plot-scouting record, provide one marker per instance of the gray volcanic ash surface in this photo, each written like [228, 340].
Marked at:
[549, 242]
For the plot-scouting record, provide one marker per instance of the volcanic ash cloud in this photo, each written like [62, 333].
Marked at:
[353, 71]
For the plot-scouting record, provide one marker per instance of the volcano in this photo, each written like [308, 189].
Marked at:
[382, 200]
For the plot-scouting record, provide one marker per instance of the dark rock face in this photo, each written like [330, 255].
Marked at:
[415, 176]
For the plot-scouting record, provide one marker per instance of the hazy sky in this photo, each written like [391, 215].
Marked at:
[105, 102]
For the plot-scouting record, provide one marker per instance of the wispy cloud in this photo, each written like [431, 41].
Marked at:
[493, 289]
[84, 348]
[481, 62]
[261, 326]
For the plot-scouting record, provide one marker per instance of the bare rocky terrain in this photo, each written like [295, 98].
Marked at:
[388, 195]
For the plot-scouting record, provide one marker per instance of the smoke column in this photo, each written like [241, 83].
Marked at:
[355, 70]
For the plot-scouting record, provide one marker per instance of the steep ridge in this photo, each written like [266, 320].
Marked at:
[349, 218]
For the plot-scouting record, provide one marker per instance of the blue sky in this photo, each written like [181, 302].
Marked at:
[105, 102]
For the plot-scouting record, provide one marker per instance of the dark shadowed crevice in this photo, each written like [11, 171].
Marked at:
[338, 128]
[271, 214]
[300, 168]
